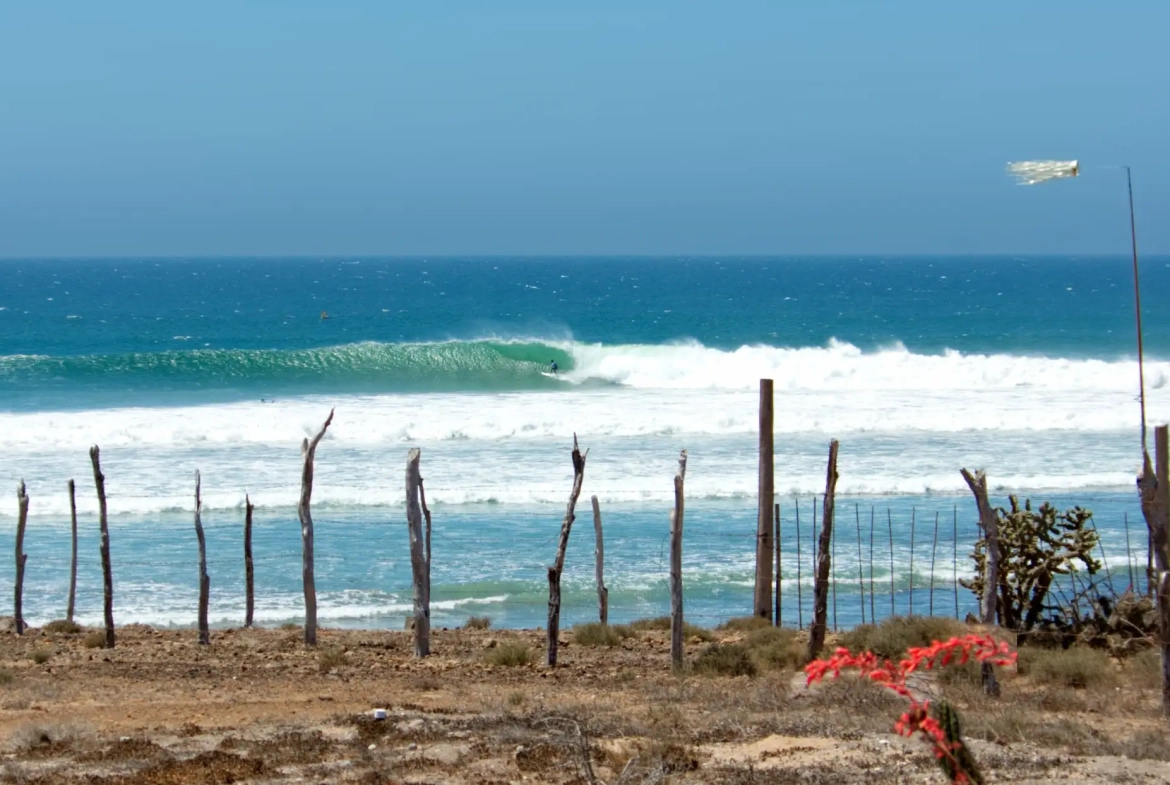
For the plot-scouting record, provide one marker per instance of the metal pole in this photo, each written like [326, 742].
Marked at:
[860, 562]
[799, 591]
[1137, 300]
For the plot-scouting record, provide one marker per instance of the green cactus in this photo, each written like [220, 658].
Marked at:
[962, 760]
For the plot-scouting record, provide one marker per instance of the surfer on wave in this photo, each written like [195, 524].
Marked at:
[552, 366]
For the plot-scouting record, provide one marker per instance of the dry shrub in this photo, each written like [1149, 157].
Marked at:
[40, 656]
[662, 623]
[775, 647]
[509, 654]
[54, 736]
[6, 677]
[477, 623]
[425, 683]
[63, 626]
[289, 626]
[744, 623]
[597, 634]
[859, 699]
[1076, 667]
[894, 635]
[516, 698]
[94, 640]
[721, 659]
[1144, 670]
[331, 658]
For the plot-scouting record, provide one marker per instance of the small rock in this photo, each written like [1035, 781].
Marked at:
[490, 643]
[372, 747]
[412, 746]
[447, 754]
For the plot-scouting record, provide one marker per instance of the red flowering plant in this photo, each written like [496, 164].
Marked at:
[948, 748]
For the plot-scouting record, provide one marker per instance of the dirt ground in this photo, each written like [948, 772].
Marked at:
[258, 707]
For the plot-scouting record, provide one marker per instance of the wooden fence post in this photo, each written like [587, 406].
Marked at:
[21, 557]
[204, 581]
[73, 559]
[554, 572]
[426, 511]
[763, 596]
[1156, 510]
[989, 523]
[816, 639]
[799, 556]
[249, 576]
[860, 564]
[418, 559]
[99, 481]
[308, 451]
[676, 592]
[599, 565]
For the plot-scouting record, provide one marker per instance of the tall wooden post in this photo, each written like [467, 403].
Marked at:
[418, 558]
[99, 481]
[426, 511]
[763, 597]
[989, 523]
[816, 638]
[204, 581]
[21, 557]
[1156, 509]
[860, 562]
[676, 542]
[249, 576]
[73, 558]
[308, 451]
[554, 572]
[599, 565]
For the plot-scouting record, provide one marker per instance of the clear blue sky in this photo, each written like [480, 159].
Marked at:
[675, 127]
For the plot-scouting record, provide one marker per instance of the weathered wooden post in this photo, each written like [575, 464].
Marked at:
[418, 560]
[933, 551]
[599, 565]
[989, 523]
[799, 580]
[763, 598]
[860, 564]
[426, 511]
[1156, 510]
[249, 575]
[99, 481]
[816, 638]
[308, 451]
[554, 572]
[204, 581]
[676, 592]
[21, 557]
[73, 559]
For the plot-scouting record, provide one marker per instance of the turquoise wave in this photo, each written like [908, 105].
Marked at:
[358, 367]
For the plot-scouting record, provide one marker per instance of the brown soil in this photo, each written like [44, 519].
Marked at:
[257, 707]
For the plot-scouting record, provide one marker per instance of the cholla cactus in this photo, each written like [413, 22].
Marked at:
[960, 759]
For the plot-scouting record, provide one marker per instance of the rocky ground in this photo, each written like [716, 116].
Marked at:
[258, 707]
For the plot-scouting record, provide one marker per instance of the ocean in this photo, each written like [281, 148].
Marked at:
[919, 366]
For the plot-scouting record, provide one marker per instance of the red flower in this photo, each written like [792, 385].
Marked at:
[916, 719]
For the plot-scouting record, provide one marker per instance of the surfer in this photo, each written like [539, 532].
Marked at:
[324, 316]
[552, 366]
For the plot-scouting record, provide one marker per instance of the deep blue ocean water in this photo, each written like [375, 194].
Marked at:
[919, 366]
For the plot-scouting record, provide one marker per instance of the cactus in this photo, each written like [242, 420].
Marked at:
[961, 761]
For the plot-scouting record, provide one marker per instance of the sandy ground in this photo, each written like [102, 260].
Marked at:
[258, 707]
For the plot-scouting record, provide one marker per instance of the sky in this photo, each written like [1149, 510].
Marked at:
[530, 128]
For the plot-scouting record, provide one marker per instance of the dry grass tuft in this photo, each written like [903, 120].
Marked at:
[289, 626]
[893, 636]
[330, 659]
[6, 677]
[775, 648]
[477, 623]
[63, 626]
[597, 634]
[516, 698]
[509, 654]
[662, 623]
[94, 640]
[744, 623]
[40, 656]
[1077, 667]
[720, 659]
